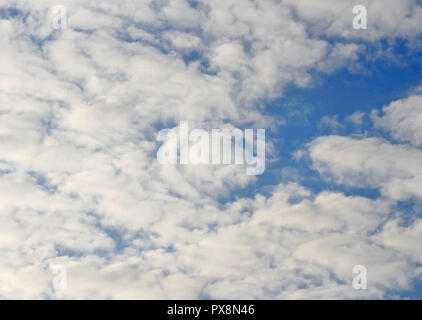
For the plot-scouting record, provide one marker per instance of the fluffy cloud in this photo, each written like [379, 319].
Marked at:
[376, 162]
[393, 169]
[386, 19]
[80, 185]
[403, 120]
[369, 162]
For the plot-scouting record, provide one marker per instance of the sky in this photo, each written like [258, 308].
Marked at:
[88, 212]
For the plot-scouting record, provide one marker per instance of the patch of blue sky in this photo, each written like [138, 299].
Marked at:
[8, 13]
[42, 182]
[338, 96]
[414, 293]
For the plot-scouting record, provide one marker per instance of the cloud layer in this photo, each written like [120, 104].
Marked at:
[80, 185]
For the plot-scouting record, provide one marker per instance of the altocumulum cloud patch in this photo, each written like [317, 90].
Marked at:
[80, 185]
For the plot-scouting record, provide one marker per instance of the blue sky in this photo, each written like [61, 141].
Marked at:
[339, 95]
[82, 190]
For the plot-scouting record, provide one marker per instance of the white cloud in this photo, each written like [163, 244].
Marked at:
[356, 117]
[395, 170]
[403, 120]
[386, 18]
[80, 184]
[369, 162]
